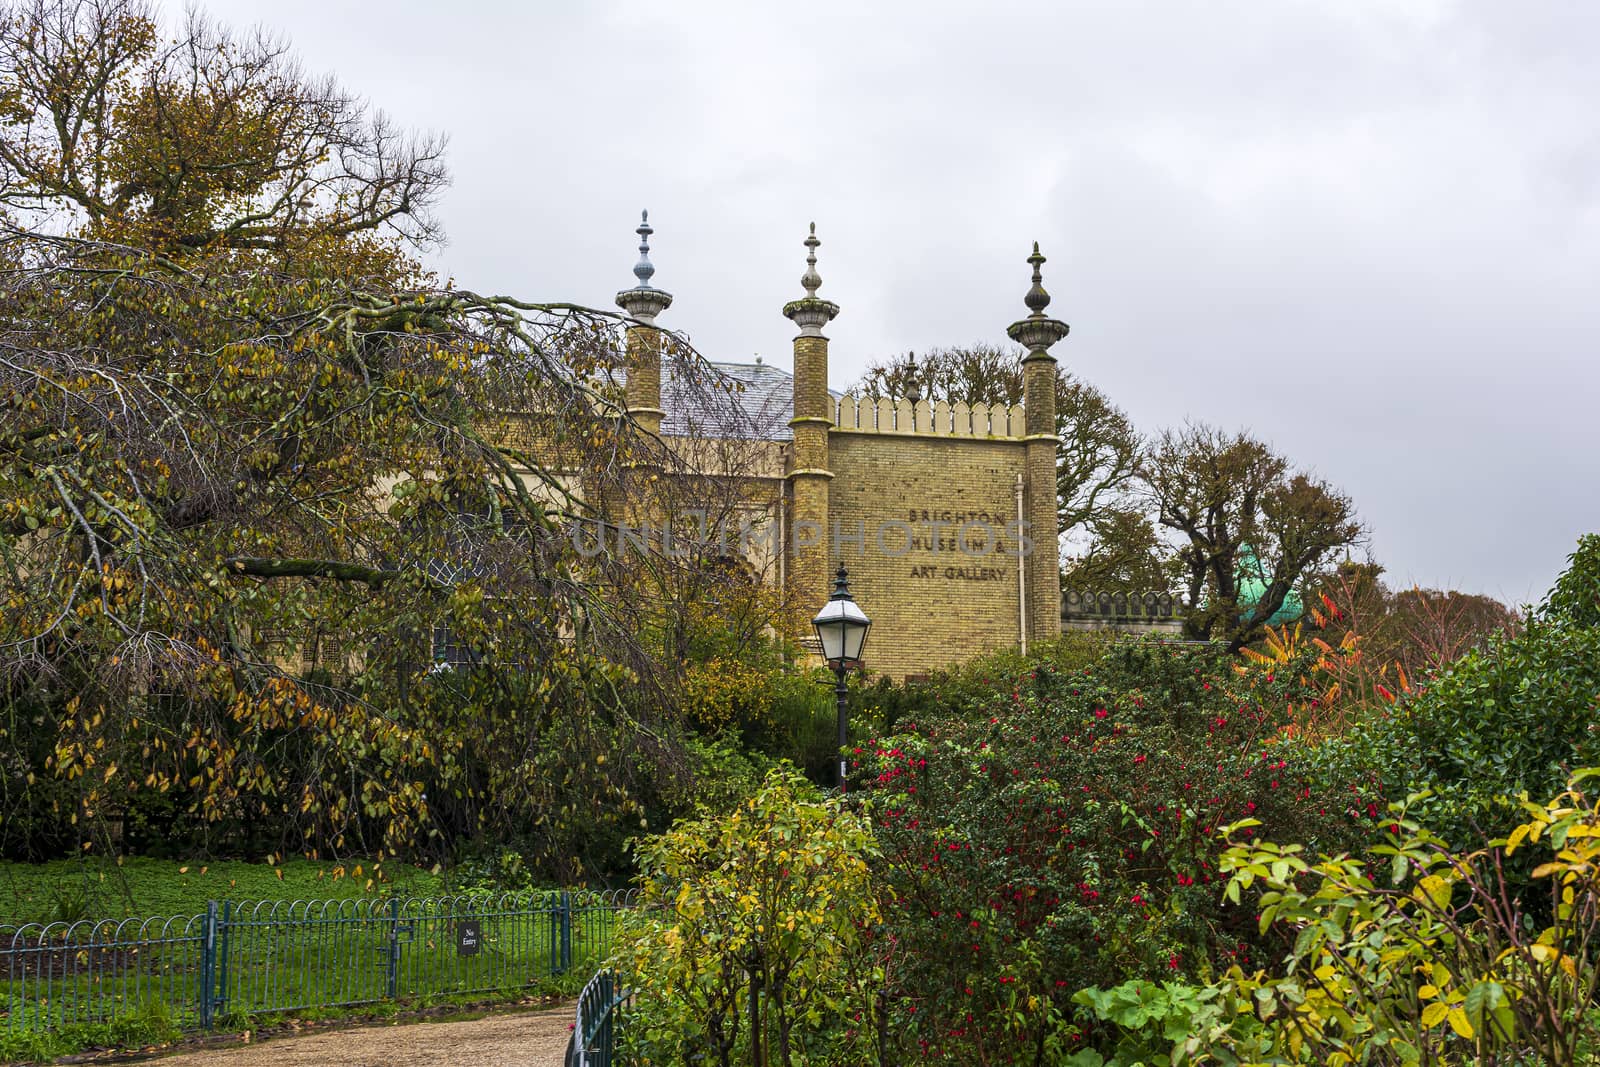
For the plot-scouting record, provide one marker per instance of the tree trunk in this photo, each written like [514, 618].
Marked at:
[756, 1058]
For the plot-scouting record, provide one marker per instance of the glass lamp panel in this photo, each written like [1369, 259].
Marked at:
[855, 638]
[831, 634]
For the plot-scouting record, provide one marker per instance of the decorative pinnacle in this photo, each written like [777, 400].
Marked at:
[1037, 299]
[644, 270]
[644, 301]
[1038, 331]
[811, 280]
[811, 313]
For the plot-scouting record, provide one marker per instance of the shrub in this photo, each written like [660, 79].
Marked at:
[1421, 954]
[1515, 716]
[1063, 836]
[768, 907]
[719, 694]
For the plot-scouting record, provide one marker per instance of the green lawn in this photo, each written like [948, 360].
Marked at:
[69, 987]
[105, 889]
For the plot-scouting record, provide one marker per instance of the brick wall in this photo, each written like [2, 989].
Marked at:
[930, 607]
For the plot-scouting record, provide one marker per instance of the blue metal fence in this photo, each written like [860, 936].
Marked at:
[242, 958]
[594, 1033]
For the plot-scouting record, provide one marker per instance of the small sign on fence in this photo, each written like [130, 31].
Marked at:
[469, 936]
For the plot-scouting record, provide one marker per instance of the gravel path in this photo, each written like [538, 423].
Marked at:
[525, 1039]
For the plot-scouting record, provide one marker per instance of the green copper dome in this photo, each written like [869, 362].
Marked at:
[1253, 586]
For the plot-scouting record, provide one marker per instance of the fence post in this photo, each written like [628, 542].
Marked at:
[605, 1039]
[222, 957]
[553, 958]
[566, 931]
[394, 948]
[208, 966]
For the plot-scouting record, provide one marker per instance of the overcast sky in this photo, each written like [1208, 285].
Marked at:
[1369, 232]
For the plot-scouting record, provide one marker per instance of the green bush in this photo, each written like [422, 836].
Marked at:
[723, 774]
[1510, 718]
[1417, 954]
[1059, 833]
[753, 930]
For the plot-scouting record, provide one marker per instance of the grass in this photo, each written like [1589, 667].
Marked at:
[152, 1024]
[134, 984]
[109, 889]
[72, 993]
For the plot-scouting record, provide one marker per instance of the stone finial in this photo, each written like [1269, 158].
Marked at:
[811, 313]
[1037, 299]
[644, 302]
[811, 281]
[644, 270]
[1037, 332]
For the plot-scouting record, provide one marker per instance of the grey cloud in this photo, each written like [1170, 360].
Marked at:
[1366, 230]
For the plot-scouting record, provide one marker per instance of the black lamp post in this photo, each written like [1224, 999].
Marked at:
[841, 627]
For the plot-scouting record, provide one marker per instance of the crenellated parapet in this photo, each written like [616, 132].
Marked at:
[1147, 612]
[902, 416]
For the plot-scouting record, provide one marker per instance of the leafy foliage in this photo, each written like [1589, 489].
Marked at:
[284, 552]
[1511, 717]
[1419, 954]
[769, 905]
[1063, 836]
[1231, 498]
[1442, 964]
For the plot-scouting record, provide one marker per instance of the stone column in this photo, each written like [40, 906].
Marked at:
[642, 392]
[1043, 566]
[806, 546]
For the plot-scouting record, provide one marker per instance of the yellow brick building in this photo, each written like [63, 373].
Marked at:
[944, 514]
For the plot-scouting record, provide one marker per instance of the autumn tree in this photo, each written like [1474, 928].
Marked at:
[769, 907]
[1124, 553]
[201, 140]
[1233, 503]
[1418, 629]
[285, 529]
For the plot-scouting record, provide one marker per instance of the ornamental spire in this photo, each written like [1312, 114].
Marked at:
[1038, 331]
[811, 281]
[811, 312]
[644, 270]
[1037, 299]
[644, 302]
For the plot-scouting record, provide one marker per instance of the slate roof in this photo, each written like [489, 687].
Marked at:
[755, 402]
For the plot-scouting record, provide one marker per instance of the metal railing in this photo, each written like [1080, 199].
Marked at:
[239, 959]
[594, 1033]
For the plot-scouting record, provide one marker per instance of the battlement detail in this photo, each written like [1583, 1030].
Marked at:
[1135, 612]
[901, 416]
